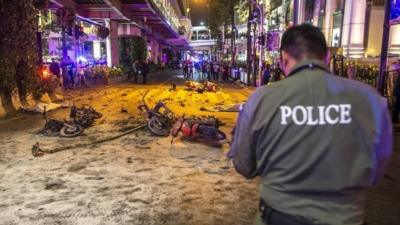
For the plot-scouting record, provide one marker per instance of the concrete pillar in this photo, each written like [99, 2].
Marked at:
[328, 20]
[301, 11]
[155, 51]
[108, 44]
[112, 43]
[354, 28]
[317, 11]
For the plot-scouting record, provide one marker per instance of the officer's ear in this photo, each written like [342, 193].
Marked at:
[287, 62]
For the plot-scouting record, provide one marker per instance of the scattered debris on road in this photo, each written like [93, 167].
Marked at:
[200, 88]
[124, 110]
[41, 107]
[37, 151]
[220, 108]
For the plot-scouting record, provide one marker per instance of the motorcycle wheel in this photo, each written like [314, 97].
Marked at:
[220, 136]
[156, 127]
[71, 131]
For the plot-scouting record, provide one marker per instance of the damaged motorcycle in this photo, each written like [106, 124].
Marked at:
[199, 129]
[80, 118]
[160, 118]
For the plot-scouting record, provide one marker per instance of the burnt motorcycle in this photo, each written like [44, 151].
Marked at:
[61, 128]
[160, 118]
[85, 116]
[199, 129]
[80, 118]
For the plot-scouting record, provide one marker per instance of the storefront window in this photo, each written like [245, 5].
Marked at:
[336, 31]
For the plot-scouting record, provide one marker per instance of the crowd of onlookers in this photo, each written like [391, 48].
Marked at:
[212, 71]
[81, 74]
[222, 71]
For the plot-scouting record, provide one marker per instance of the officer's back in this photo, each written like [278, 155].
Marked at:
[317, 140]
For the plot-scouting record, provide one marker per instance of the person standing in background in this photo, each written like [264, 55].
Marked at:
[266, 74]
[55, 68]
[396, 106]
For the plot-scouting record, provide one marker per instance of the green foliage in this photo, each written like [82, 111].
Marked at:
[221, 14]
[130, 50]
[66, 17]
[139, 47]
[115, 72]
[48, 23]
[125, 55]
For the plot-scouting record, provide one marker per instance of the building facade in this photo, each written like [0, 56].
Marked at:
[354, 25]
[163, 23]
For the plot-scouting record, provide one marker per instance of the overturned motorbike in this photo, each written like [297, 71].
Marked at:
[160, 118]
[199, 129]
[80, 118]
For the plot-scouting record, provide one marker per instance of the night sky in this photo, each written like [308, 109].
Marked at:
[199, 11]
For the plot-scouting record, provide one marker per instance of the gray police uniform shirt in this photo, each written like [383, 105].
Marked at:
[318, 141]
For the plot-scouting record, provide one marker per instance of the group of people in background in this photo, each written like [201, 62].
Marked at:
[211, 71]
[75, 74]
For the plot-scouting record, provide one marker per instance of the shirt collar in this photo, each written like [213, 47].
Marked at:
[305, 62]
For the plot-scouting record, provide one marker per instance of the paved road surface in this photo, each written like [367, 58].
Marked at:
[140, 179]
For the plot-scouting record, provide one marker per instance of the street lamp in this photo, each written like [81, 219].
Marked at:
[201, 23]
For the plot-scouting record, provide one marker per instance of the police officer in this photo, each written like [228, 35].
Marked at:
[318, 141]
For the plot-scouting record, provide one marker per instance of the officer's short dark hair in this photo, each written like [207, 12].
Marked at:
[304, 42]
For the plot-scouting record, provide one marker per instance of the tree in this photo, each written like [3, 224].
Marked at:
[26, 49]
[220, 17]
[18, 55]
[131, 49]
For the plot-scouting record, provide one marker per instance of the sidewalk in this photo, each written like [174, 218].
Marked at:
[383, 200]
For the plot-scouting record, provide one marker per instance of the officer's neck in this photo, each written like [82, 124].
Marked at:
[296, 64]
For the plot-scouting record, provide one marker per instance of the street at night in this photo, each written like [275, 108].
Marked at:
[140, 178]
[200, 112]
